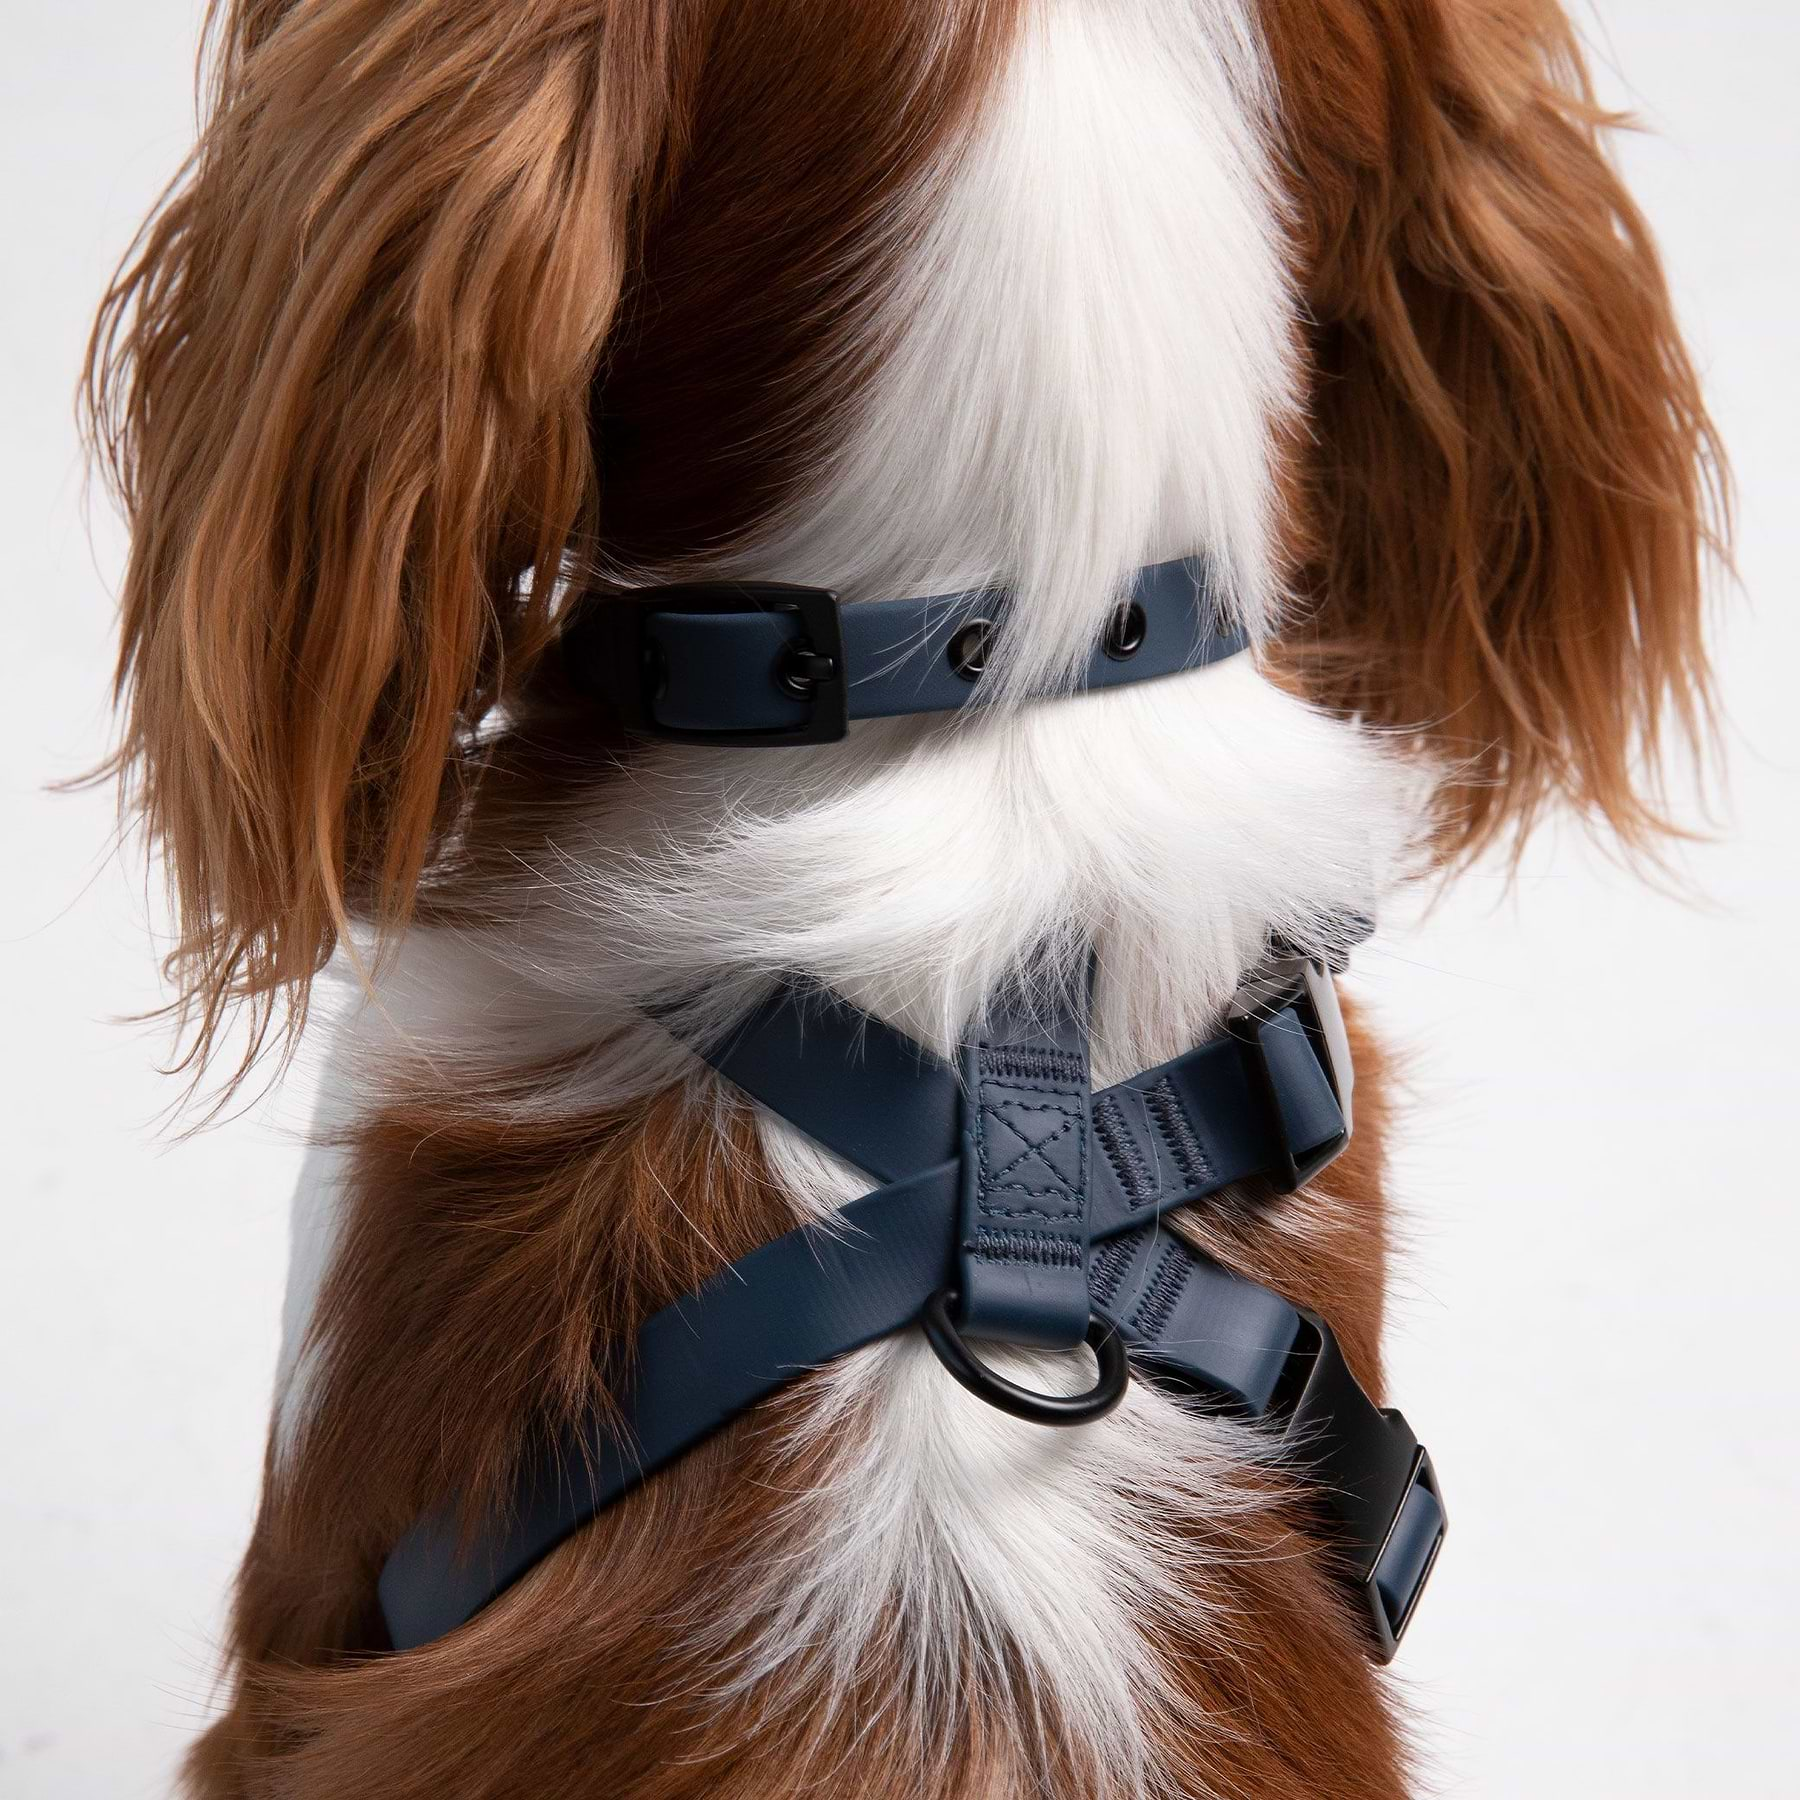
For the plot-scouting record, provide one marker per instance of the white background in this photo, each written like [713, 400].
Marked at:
[1593, 1324]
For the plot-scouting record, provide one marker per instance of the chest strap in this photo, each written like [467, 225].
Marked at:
[760, 663]
[1261, 1100]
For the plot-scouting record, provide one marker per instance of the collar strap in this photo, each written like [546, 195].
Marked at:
[1267, 1097]
[758, 664]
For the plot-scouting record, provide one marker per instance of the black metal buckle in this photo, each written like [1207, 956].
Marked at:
[1415, 1555]
[1305, 984]
[608, 651]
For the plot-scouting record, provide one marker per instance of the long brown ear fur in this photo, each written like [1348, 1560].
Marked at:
[1511, 484]
[341, 386]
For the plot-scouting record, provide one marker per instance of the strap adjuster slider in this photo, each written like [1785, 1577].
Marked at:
[1297, 997]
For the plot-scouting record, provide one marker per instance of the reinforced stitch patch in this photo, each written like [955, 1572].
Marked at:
[1138, 1177]
[1177, 1131]
[1164, 1290]
[1044, 1249]
[1107, 1272]
[1031, 1136]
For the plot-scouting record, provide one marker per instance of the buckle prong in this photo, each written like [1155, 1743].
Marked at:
[802, 668]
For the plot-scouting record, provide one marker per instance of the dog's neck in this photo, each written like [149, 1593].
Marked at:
[1083, 365]
[914, 867]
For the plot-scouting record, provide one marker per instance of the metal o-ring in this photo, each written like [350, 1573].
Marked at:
[1023, 1403]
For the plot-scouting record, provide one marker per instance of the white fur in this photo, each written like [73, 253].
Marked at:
[314, 1220]
[1088, 365]
[962, 1537]
[917, 866]
[1093, 341]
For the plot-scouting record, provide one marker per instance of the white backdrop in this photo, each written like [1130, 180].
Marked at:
[1593, 1317]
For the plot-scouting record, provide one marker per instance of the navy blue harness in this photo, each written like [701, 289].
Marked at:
[1016, 1205]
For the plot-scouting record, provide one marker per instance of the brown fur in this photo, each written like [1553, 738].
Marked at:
[347, 465]
[1508, 482]
[352, 468]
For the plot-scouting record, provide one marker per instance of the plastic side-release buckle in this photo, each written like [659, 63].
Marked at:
[1375, 1479]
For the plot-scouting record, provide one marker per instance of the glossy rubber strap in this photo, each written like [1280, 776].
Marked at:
[817, 1294]
[720, 667]
[789, 1306]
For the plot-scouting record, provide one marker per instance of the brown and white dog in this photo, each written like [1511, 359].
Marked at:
[463, 304]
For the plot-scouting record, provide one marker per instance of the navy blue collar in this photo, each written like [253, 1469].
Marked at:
[761, 663]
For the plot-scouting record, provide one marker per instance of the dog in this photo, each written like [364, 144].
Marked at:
[463, 310]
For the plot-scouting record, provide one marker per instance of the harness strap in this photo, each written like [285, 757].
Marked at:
[767, 663]
[820, 1292]
[1273, 1090]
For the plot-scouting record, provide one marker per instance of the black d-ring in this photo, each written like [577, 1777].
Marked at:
[1040, 1409]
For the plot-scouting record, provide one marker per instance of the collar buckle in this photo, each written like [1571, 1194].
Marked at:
[614, 651]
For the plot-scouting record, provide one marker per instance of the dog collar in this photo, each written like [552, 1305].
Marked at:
[762, 664]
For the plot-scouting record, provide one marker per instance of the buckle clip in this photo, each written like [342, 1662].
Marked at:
[1375, 1484]
[610, 653]
[1305, 985]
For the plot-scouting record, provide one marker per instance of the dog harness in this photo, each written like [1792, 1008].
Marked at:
[1016, 1205]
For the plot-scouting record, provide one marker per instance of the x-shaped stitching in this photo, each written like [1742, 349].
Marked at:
[1009, 1114]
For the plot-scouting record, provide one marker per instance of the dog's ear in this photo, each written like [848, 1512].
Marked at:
[342, 386]
[1508, 485]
